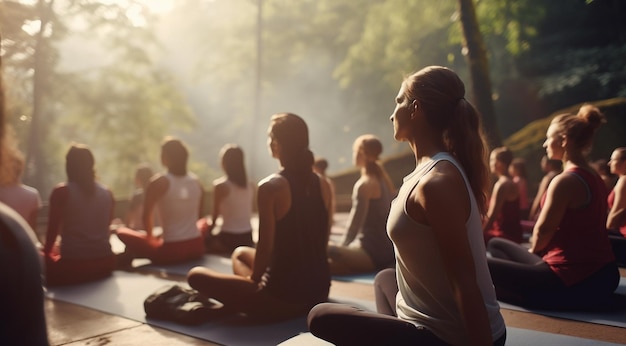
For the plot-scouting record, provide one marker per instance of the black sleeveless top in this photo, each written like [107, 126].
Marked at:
[298, 270]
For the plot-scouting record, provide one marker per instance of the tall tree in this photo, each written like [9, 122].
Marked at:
[476, 55]
[109, 93]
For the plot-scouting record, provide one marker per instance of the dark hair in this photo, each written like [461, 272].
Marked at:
[504, 155]
[321, 164]
[292, 133]
[232, 163]
[143, 173]
[519, 165]
[556, 165]
[372, 148]
[175, 154]
[580, 128]
[441, 94]
[79, 166]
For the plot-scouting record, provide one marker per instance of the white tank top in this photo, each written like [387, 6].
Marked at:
[425, 296]
[179, 208]
[236, 209]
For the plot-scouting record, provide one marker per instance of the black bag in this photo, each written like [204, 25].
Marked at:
[178, 304]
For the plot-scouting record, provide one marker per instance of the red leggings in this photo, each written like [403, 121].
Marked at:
[158, 251]
[62, 271]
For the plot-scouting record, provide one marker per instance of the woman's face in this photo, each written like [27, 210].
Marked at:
[401, 117]
[554, 143]
[358, 157]
[616, 163]
[494, 163]
[272, 145]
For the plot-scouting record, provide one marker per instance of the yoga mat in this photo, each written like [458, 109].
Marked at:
[611, 318]
[367, 278]
[218, 263]
[515, 337]
[224, 265]
[123, 294]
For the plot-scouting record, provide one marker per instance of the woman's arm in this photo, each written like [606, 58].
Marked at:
[616, 217]
[327, 196]
[495, 205]
[155, 190]
[220, 191]
[358, 211]
[58, 197]
[562, 191]
[444, 200]
[541, 190]
[273, 201]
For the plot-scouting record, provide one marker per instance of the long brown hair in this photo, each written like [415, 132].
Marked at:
[176, 155]
[79, 166]
[372, 147]
[232, 163]
[292, 133]
[441, 94]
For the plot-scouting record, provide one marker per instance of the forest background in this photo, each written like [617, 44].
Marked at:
[120, 75]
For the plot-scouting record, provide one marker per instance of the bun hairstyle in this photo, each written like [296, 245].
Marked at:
[441, 95]
[292, 133]
[232, 163]
[580, 128]
[79, 166]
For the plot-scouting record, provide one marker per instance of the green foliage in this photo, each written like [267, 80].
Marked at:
[120, 104]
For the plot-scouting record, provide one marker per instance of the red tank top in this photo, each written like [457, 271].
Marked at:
[611, 200]
[581, 244]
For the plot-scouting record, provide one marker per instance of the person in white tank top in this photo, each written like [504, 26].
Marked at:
[178, 197]
[443, 293]
[233, 196]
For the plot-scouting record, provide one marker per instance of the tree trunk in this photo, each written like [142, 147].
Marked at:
[34, 169]
[476, 55]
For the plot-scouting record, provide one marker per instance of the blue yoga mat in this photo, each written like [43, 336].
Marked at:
[613, 318]
[123, 294]
[515, 337]
[224, 265]
[218, 263]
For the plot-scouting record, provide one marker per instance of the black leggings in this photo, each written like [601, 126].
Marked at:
[345, 325]
[523, 278]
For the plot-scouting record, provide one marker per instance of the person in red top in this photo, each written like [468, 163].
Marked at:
[503, 215]
[570, 264]
[616, 220]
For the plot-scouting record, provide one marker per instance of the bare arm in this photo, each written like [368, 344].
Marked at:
[55, 214]
[220, 191]
[445, 203]
[358, 212]
[498, 198]
[543, 187]
[327, 195]
[616, 218]
[155, 190]
[273, 195]
[564, 191]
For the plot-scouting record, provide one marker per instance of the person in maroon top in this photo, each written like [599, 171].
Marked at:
[616, 220]
[570, 264]
[503, 215]
[288, 272]
[81, 211]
